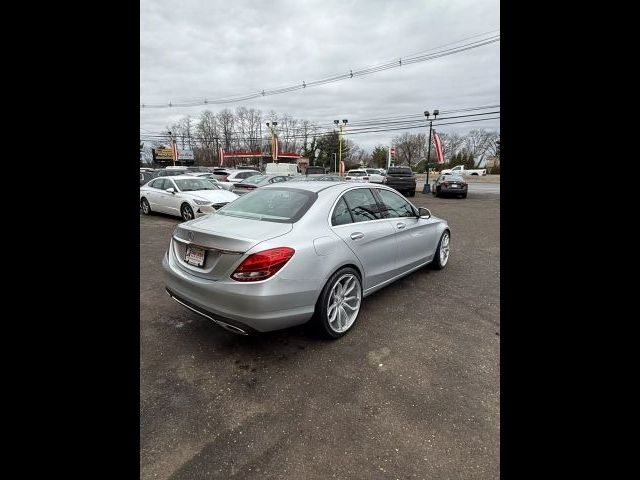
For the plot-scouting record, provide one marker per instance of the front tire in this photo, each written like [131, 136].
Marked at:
[146, 208]
[339, 303]
[187, 212]
[441, 256]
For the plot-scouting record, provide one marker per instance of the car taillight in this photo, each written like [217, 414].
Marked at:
[365, 178]
[445, 184]
[347, 178]
[224, 179]
[262, 265]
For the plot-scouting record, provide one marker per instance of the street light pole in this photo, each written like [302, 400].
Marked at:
[427, 187]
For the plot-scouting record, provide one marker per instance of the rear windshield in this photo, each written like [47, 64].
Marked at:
[357, 174]
[282, 205]
[403, 170]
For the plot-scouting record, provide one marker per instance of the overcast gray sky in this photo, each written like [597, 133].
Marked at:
[196, 49]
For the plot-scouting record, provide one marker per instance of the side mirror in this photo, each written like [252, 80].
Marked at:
[424, 212]
[171, 190]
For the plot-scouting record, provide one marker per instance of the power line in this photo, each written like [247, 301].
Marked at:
[437, 123]
[396, 63]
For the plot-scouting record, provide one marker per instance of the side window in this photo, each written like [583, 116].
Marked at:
[363, 205]
[168, 183]
[158, 183]
[341, 215]
[395, 205]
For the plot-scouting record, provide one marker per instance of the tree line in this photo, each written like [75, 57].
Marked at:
[244, 129]
[470, 150]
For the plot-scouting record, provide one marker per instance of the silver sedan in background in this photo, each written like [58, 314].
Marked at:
[287, 253]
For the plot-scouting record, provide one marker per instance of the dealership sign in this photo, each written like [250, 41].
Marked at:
[167, 154]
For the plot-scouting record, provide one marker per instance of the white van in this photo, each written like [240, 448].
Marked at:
[290, 169]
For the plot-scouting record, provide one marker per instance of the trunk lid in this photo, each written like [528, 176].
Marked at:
[225, 240]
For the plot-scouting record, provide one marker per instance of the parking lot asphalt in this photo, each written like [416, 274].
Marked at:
[412, 392]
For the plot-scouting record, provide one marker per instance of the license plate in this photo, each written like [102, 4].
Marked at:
[195, 256]
[454, 186]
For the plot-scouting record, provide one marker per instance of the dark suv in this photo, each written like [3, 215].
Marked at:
[402, 179]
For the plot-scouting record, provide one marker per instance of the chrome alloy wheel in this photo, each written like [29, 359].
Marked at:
[444, 249]
[344, 303]
[187, 213]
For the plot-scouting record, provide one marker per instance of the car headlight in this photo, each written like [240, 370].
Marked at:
[202, 202]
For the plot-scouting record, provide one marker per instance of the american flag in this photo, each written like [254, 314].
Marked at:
[221, 154]
[438, 145]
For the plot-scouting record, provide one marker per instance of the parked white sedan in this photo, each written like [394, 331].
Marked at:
[183, 195]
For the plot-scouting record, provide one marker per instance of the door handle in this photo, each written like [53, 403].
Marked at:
[400, 226]
[357, 235]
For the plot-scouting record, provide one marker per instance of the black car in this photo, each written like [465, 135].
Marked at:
[312, 170]
[402, 179]
[450, 185]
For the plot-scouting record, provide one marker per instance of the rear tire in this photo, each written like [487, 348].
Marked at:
[441, 255]
[337, 311]
[412, 193]
[437, 192]
[146, 208]
[464, 195]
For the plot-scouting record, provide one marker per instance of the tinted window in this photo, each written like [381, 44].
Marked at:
[395, 206]
[357, 174]
[363, 205]
[401, 170]
[341, 215]
[283, 205]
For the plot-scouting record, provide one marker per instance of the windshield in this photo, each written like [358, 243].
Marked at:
[194, 184]
[357, 174]
[282, 205]
[254, 179]
[453, 178]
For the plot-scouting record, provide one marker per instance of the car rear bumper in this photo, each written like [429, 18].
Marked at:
[456, 191]
[274, 304]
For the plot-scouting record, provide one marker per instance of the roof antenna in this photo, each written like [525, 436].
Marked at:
[351, 73]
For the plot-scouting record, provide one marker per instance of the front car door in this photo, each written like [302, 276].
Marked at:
[416, 237]
[358, 220]
[171, 201]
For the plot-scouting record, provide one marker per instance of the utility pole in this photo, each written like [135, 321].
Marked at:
[337, 122]
[427, 187]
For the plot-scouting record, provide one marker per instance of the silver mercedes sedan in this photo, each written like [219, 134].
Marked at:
[297, 251]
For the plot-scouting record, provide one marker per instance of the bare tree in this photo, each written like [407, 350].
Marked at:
[478, 142]
[410, 148]
[225, 121]
[451, 144]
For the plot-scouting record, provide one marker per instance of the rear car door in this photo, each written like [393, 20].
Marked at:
[154, 195]
[415, 237]
[358, 220]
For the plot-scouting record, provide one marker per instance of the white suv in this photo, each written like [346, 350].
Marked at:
[238, 175]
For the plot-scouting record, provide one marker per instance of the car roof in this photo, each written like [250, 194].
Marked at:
[180, 177]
